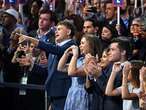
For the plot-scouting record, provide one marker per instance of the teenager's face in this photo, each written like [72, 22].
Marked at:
[44, 22]
[84, 46]
[104, 61]
[114, 52]
[62, 33]
[31, 48]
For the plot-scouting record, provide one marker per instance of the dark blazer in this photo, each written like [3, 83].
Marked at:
[100, 100]
[57, 83]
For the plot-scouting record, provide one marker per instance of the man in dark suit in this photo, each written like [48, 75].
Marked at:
[119, 51]
[57, 83]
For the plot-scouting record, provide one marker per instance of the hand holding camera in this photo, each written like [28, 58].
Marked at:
[25, 61]
[20, 54]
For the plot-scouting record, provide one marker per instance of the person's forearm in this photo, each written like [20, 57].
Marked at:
[31, 39]
[110, 85]
[125, 91]
[62, 63]
[72, 66]
[141, 85]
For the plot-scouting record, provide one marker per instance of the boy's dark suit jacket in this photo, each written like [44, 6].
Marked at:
[57, 83]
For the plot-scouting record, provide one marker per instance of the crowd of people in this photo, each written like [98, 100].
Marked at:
[77, 50]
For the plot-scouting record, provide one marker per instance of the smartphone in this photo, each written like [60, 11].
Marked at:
[19, 54]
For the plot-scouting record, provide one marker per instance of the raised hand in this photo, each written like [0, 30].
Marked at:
[88, 57]
[116, 67]
[142, 75]
[68, 51]
[25, 60]
[43, 58]
[91, 66]
[75, 50]
[23, 38]
[126, 68]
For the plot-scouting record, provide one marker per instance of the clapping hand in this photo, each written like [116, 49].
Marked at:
[74, 50]
[91, 66]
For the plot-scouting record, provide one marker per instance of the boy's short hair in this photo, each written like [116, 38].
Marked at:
[124, 44]
[69, 25]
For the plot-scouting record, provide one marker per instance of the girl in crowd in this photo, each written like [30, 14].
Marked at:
[130, 83]
[77, 98]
